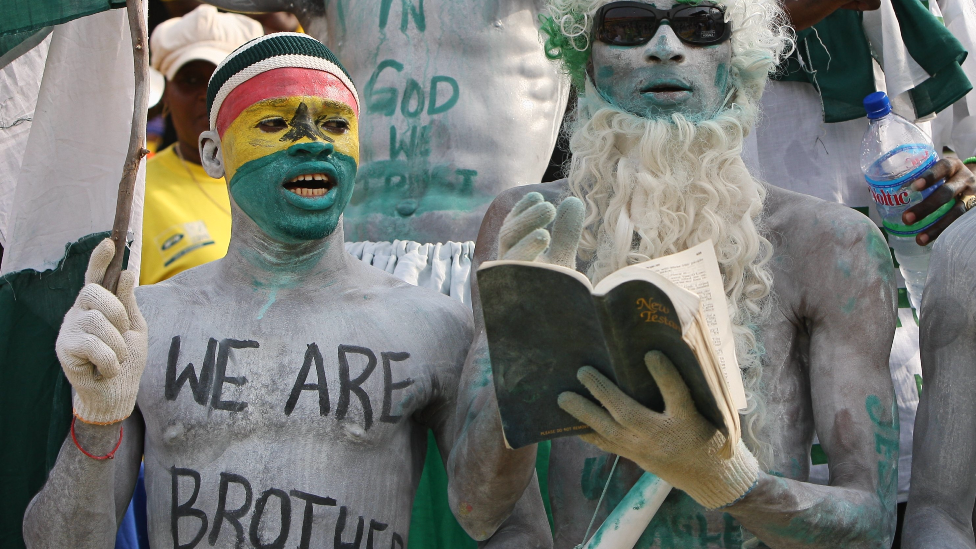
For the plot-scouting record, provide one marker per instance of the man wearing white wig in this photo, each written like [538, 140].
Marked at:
[667, 93]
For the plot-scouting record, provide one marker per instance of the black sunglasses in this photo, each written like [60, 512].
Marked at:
[635, 23]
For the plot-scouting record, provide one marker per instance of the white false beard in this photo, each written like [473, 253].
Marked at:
[656, 187]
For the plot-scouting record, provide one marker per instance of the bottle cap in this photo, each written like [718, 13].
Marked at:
[877, 105]
[915, 228]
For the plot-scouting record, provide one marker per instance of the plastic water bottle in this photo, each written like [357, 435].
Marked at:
[894, 153]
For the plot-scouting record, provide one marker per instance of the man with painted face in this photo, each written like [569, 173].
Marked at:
[289, 387]
[668, 92]
[439, 139]
[186, 219]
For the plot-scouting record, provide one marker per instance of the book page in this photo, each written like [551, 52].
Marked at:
[696, 270]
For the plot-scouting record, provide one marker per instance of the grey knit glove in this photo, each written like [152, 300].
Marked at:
[524, 237]
[679, 445]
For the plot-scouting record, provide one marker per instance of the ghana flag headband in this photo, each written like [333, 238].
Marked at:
[246, 76]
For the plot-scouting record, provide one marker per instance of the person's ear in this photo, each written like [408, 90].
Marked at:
[211, 157]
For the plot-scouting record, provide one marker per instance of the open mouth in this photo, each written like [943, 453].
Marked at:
[666, 88]
[313, 185]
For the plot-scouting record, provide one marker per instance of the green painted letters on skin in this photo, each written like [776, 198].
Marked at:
[413, 95]
[879, 251]
[594, 477]
[681, 523]
[383, 100]
[433, 108]
[408, 11]
[886, 446]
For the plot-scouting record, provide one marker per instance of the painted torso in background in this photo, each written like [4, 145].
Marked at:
[460, 103]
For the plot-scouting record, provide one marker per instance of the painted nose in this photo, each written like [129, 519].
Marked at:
[311, 148]
[665, 47]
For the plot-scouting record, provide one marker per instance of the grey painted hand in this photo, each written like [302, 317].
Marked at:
[102, 344]
[523, 235]
[679, 445]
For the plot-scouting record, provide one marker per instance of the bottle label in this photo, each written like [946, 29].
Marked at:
[911, 161]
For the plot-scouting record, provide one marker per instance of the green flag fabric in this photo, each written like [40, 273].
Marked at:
[432, 524]
[35, 398]
[65, 132]
[835, 57]
[23, 18]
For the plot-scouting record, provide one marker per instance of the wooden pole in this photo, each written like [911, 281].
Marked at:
[137, 139]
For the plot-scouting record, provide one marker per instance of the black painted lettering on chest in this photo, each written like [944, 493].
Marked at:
[212, 374]
[354, 365]
[194, 522]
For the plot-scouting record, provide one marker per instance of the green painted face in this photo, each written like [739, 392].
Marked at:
[292, 165]
[665, 76]
[258, 188]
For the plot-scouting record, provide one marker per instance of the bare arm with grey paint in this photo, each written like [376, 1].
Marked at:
[834, 283]
[83, 500]
[943, 490]
[483, 496]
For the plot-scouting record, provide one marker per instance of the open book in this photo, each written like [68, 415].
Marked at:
[544, 322]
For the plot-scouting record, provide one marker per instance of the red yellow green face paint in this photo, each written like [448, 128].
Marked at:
[290, 160]
[274, 125]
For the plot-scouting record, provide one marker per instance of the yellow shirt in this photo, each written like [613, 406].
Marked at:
[186, 220]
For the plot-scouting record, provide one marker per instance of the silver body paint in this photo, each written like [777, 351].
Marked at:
[940, 505]
[363, 448]
[825, 368]
[428, 174]
[823, 361]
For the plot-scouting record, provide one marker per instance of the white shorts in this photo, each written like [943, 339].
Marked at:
[444, 268]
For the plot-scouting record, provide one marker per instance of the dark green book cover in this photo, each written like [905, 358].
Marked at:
[544, 323]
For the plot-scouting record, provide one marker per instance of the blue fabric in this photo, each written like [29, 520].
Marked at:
[133, 532]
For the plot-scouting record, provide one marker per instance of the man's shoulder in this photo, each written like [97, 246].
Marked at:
[952, 266]
[955, 248]
[409, 300]
[829, 253]
[809, 221]
[186, 286]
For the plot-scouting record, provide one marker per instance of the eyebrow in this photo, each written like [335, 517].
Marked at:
[339, 105]
[344, 108]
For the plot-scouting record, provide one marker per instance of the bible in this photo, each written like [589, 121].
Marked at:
[544, 322]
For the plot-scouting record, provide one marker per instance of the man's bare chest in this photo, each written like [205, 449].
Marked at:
[327, 383]
[295, 424]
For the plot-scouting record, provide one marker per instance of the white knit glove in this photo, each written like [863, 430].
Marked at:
[523, 236]
[679, 445]
[103, 343]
